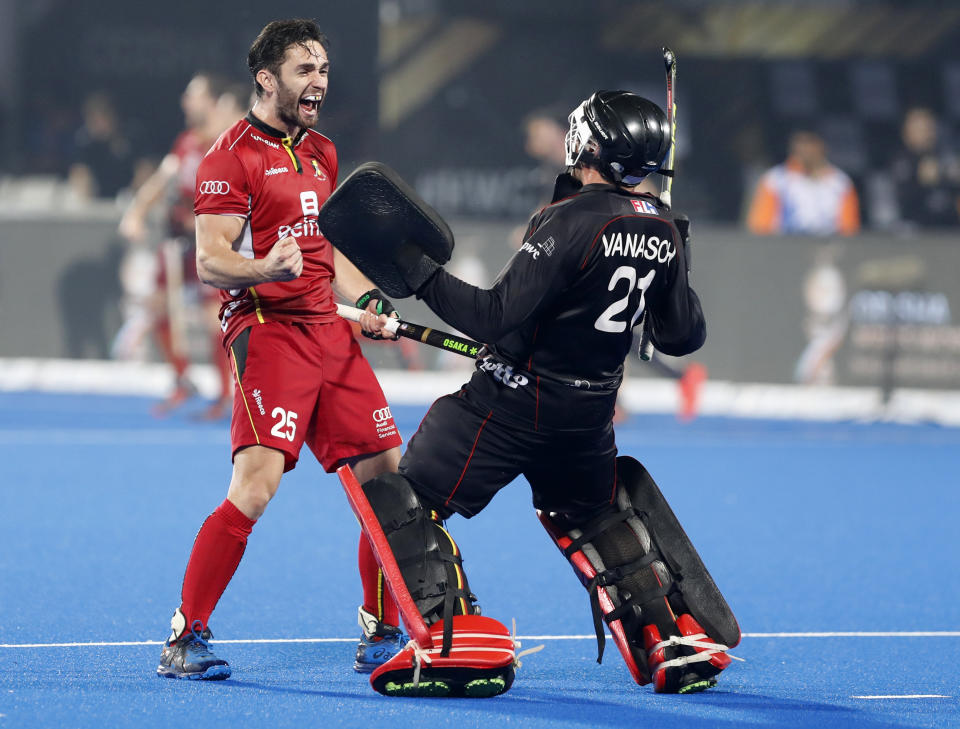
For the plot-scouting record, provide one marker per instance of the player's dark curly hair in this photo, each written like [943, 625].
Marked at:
[270, 47]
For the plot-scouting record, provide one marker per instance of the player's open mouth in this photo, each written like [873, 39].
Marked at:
[311, 103]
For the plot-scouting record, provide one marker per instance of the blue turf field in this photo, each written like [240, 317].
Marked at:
[808, 528]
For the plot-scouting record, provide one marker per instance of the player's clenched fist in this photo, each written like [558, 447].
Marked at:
[284, 262]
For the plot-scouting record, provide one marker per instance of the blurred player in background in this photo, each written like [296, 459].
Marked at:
[805, 194]
[209, 107]
[300, 375]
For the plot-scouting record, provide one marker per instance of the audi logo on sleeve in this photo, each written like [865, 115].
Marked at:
[214, 187]
[382, 415]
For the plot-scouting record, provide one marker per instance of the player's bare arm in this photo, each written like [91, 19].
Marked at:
[350, 284]
[220, 265]
[133, 224]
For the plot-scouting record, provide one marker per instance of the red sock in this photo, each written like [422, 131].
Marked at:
[377, 599]
[216, 553]
[165, 340]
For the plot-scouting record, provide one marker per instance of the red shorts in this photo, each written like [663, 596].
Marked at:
[307, 383]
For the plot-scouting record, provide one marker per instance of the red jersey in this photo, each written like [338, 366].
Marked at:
[189, 149]
[277, 184]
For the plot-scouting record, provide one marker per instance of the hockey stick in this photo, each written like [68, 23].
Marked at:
[427, 335]
[670, 65]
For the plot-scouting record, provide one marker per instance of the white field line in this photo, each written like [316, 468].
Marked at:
[862, 634]
[905, 696]
[254, 641]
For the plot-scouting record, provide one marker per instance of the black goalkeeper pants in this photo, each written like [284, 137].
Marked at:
[463, 454]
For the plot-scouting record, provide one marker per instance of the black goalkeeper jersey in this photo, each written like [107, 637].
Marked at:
[558, 320]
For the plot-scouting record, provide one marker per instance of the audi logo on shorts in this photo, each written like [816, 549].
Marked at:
[382, 415]
[214, 187]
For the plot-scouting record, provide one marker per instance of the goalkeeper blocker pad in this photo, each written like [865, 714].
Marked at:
[372, 214]
[647, 582]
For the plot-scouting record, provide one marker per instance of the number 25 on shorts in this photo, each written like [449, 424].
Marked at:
[286, 425]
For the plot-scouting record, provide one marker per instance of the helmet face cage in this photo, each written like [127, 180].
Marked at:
[579, 139]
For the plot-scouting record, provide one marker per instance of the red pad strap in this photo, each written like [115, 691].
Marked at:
[586, 573]
[412, 620]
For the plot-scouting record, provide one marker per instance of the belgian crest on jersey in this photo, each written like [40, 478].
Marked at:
[317, 172]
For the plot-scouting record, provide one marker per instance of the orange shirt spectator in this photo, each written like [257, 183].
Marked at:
[805, 195]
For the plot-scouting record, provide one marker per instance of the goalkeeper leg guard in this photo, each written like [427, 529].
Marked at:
[453, 651]
[647, 582]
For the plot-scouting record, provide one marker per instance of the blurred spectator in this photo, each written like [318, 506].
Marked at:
[104, 161]
[544, 132]
[544, 141]
[926, 175]
[56, 130]
[806, 194]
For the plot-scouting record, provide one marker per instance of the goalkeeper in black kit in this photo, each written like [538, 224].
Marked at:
[558, 325]
[558, 322]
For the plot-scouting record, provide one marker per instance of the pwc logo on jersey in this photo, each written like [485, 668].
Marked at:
[383, 419]
[214, 187]
[638, 245]
[548, 246]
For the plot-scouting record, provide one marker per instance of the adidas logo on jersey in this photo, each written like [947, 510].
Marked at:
[275, 171]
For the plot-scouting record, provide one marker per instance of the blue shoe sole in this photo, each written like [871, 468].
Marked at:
[214, 673]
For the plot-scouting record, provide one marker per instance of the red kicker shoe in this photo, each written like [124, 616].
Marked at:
[686, 663]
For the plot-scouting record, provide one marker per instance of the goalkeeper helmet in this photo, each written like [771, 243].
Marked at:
[624, 135]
